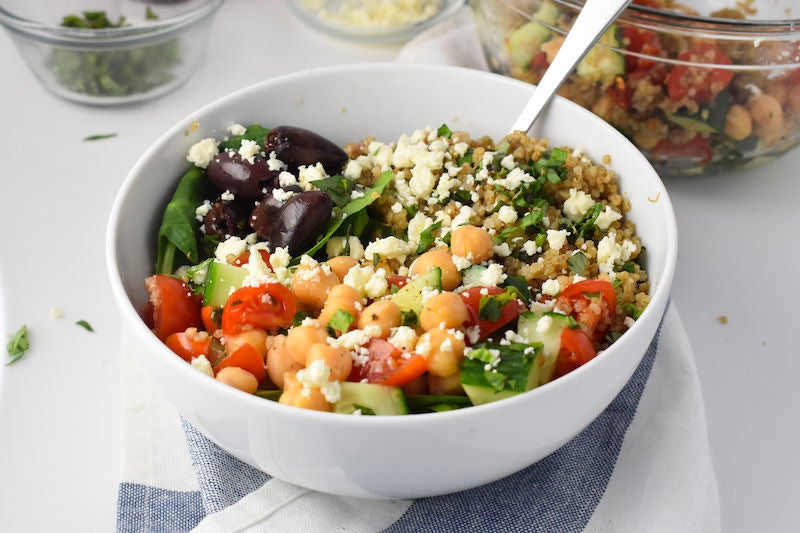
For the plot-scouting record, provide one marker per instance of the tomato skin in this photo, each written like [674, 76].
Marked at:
[244, 258]
[397, 281]
[267, 306]
[210, 317]
[189, 345]
[697, 149]
[245, 357]
[699, 84]
[174, 306]
[641, 41]
[576, 350]
[573, 299]
[472, 298]
[388, 366]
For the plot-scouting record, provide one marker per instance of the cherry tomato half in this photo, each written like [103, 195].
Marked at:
[576, 349]
[247, 358]
[189, 344]
[265, 307]
[699, 84]
[472, 298]
[697, 149]
[244, 258]
[575, 299]
[389, 365]
[173, 305]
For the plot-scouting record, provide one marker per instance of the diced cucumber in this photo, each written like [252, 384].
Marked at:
[471, 276]
[602, 64]
[526, 41]
[692, 123]
[370, 399]
[492, 371]
[409, 298]
[544, 328]
[221, 280]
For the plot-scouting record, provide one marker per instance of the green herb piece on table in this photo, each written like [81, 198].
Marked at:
[99, 137]
[85, 325]
[17, 345]
[115, 72]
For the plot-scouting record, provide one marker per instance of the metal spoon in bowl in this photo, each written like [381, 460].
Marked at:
[594, 18]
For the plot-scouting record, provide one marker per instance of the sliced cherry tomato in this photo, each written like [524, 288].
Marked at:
[247, 358]
[472, 298]
[244, 258]
[266, 307]
[397, 281]
[389, 365]
[174, 306]
[210, 317]
[539, 61]
[697, 149]
[576, 349]
[189, 344]
[699, 84]
[574, 299]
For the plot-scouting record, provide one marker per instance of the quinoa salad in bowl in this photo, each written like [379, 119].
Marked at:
[431, 272]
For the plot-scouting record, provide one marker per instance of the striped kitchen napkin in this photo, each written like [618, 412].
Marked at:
[643, 465]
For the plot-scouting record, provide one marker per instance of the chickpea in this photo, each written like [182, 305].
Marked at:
[341, 264]
[777, 89]
[793, 100]
[256, 338]
[300, 339]
[767, 116]
[279, 361]
[337, 359]
[738, 122]
[446, 310]
[238, 378]
[341, 297]
[294, 395]
[472, 242]
[382, 313]
[444, 350]
[311, 283]
[439, 257]
[445, 384]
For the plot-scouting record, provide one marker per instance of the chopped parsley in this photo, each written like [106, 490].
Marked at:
[17, 345]
[99, 137]
[85, 325]
[577, 263]
[340, 321]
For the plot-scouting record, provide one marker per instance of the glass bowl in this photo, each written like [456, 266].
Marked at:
[696, 89]
[378, 21]
[132, 51]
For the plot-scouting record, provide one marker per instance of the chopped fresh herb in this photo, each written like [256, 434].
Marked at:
[99, 137]
[113, 72]
[520, 284]
[529, 222]
[340, 321]
[577, 263]
[409, 318]
[491, 306]
[299, 317]
[269, 394]
[587, 221]
[444, 131]
[465, 159]
[255, 133]
[461, 195]
[363, 410]
[627, 266]
[426, 238]
[632, 311]
[17, 345]
[149, 14]
[338, 188]
[612, 336]
[85, 325]
[376, 259]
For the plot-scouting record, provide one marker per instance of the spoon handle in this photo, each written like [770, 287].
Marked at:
[594, 18]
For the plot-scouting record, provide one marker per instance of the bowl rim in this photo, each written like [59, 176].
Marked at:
[133, 35]
[659, 295]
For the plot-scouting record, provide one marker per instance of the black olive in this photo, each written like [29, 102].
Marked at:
[297, 147]
[229, 171]
[226, 218]
[301, 219]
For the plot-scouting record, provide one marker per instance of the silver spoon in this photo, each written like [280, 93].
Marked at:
[594, 18]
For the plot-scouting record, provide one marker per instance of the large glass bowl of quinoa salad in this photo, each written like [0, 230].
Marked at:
[312, 272]
[700, 87]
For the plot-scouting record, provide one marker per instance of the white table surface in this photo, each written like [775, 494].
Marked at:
[60, 405]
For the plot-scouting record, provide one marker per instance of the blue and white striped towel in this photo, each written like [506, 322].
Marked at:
[643, 465]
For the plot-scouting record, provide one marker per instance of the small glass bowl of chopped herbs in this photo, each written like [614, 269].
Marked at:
[119, 53]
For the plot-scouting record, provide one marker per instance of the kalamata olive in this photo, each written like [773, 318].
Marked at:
[265, 213]
[226, 218]
[297, 146]
[229, 171]
[300, 221]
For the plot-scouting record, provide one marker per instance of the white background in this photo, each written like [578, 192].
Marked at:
[60, 405]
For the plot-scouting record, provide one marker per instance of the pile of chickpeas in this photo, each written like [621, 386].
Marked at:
[319, 289]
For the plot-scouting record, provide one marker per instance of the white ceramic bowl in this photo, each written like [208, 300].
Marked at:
[405, 456]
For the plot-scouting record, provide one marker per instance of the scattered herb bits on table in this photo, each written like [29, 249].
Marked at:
[432, 272]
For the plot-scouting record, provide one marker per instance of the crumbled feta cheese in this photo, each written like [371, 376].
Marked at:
[530, 248]
[352, 170]
[577, 204]
[227, 196]
[503, 250]
[367, 281]
[249, 150]
[606, 218]
[507, 214]
[202, 152]
[280, 258]
[285, 179]
[388, 248]
[317, 375]
[282, 195]
[397, 207]
[308, 174]
[56, 313]
[202, 364]
[551, 287]
[556, 239]
[629, 322]
[337, 246]
[202, 210]
[493, 276]
[403, 337]
[515, 178]
[462, 263]
[544, 324]
[236, 129]
[609, 253]
[229, 249]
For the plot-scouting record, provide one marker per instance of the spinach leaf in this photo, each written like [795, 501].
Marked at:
[179, 227]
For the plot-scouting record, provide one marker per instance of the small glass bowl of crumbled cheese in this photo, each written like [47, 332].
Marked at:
[374, 20]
